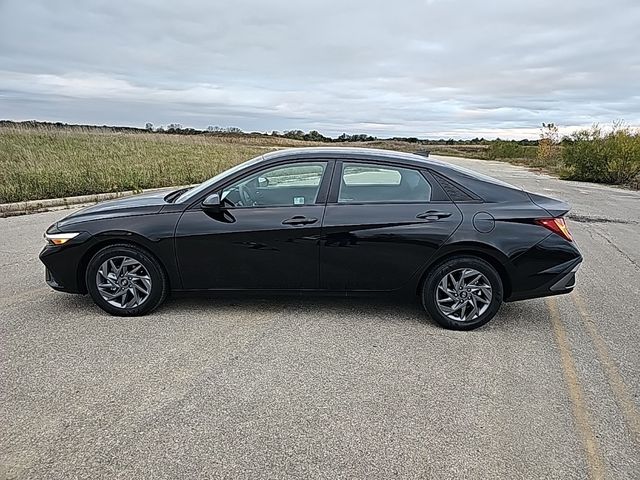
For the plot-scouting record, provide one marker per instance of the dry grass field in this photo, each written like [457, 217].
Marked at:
[50, 163]
[37, 164]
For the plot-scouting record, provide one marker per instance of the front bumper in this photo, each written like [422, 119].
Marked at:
[62, 264]
[52, 282]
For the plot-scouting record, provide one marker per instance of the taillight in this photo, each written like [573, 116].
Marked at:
[556, 225]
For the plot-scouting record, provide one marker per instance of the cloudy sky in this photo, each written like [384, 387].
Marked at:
[429, 68]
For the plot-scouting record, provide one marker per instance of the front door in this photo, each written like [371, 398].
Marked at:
[266, 237]
[381, 227]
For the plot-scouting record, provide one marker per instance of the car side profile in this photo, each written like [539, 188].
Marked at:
[322, 220]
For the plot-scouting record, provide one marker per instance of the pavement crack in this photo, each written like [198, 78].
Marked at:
[618, 249]
[593, 219]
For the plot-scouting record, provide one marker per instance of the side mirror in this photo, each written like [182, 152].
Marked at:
[263, 182]
[212, 203]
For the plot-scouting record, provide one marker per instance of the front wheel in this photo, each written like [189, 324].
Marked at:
[462, 293]
[124, 280]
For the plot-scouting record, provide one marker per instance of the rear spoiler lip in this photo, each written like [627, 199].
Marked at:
[555, 208]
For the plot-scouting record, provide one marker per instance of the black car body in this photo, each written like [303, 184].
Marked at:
[338, 220]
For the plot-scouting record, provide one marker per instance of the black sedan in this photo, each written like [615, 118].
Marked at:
[322, 220]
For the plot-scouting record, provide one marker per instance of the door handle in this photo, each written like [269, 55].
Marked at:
[433, 215]
[299, 220]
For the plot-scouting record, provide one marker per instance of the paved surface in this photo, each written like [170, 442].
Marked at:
[331, 388]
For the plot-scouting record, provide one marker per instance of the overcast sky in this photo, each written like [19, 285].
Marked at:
[429, 68]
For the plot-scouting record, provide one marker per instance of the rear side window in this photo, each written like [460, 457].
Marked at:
[370, 183]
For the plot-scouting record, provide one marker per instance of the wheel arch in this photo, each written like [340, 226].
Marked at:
[130, 239]
[490, 254]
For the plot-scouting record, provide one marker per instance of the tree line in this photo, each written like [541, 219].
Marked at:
[311, 136]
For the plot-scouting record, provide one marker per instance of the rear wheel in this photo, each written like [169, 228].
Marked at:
[462, 293]
[123, 280]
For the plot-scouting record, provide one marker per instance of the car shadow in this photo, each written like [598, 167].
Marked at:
[297, 304]
[513, 317]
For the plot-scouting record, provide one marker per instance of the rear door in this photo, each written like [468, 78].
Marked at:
[382, 224]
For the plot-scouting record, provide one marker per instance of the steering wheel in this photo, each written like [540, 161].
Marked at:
[245, 196]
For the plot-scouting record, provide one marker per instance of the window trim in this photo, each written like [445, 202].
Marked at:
[337, 176]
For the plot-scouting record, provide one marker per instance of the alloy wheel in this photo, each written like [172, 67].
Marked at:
[123, 282]
[463, 294]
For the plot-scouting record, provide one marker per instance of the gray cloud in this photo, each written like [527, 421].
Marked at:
[426, 68]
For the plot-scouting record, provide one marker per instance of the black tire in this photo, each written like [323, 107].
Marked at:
[159, 284]
[453, 264]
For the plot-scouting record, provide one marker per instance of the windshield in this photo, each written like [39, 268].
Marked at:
[198, 189]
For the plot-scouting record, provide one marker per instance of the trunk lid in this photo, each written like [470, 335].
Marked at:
[554, 207]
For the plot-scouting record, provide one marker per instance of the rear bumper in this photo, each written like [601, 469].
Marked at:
[568, 280]
[549, 268]
[559, 284]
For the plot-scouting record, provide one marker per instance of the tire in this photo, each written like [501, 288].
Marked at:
[480, 299]
[138, 273]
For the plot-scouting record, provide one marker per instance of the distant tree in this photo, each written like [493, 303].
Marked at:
[294, 134]
[148, 127]
[315, 136]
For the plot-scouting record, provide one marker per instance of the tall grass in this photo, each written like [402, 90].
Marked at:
[38, 163]
[49, 163]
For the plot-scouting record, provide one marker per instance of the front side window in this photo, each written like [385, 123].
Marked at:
[367, 183]
[283, 185]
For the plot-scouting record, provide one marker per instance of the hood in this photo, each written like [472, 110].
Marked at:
[143, 204]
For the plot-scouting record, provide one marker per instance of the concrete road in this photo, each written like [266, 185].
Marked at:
[329, 388]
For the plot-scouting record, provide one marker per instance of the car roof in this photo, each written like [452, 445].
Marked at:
[353, 152]
[456, 172]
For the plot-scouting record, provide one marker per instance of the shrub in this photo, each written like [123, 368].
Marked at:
[595, 156]
[504, 149]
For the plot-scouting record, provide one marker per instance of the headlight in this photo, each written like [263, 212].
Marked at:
[60, 238]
